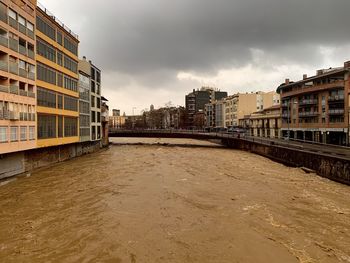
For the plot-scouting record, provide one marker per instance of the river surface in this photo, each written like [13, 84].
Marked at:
[154, 203]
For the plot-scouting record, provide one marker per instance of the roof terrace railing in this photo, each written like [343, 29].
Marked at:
[43, 8]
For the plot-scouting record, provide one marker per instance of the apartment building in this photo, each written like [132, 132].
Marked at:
[197, 99]
[17, 76]
[84, 69]
[95, 103]
[317, 108]
[215, 115]
[57, 81]
[266, 123]
[239, 105]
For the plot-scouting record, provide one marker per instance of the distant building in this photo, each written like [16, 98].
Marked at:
[317, 108]
[117, 122]
[197, 99]
[239, 105]
[116, 112]
[266, 123]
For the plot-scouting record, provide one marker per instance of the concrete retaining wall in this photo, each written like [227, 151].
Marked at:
[18, 163]
[332, 167]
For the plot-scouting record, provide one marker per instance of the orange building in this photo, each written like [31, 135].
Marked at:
[57, 81]
[17, 76]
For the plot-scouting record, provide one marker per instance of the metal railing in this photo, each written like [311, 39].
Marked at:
[31, 94]
[4, 41]
[4, 65]
[14, 44]
[14, 68]
[4, 88]
[31, 75]
[23, 73]
[30, 34]
[31, 54]
[308, 114]
[22, 28]
[336, 98]
[23, 93]
[308, 102]
[4, 17]
[336, 111]
[13, 23]
[22, 50]
[14, 89]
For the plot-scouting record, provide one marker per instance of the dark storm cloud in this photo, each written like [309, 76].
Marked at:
[204, 35]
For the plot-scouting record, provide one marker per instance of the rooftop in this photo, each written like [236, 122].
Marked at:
[47, 12]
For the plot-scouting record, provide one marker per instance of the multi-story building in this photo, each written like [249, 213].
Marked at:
[239, 105]
[317, 108]
[84, 100]
[57, 81]
[197, 99]
[17, 76]
[215, 115]
[266, 123]
[95, 103]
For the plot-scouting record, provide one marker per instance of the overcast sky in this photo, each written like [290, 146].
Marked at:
[156, 51]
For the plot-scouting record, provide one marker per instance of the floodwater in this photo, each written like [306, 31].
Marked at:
[142, 203]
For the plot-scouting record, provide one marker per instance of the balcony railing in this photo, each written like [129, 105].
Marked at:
[336, 98]
[23, 73]
[3, 17]
[14, 89]
[22, 50]
[31, 94]
[14, 68]
[4, 88]
[31, 75]
[4, 66]
[22, 28]
[308, 102]
[23, 93]
[30, 34]
[336, 111]
[13, 23]
[308, 114]
[14, 44]
[31, 54]
[4, 41]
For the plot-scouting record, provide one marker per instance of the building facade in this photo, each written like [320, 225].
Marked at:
[317, 108]
[239, 105]
[95, 102]
[84, 100]
[266, 123]
[197, 99]
[17, 76]
[57, 81]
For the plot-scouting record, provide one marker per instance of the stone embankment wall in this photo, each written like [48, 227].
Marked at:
[332, 167]
[22, 162]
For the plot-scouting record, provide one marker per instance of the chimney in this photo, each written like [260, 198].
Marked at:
[304, 76]
[287, 81]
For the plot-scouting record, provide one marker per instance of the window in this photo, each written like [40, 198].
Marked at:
[71, 46]
[3, 134]
[14, 134]
[12, 14]
[70, 127]
[93, 116]
[46, 74]
[92, 102]
[46, 126]
[59, 58]
[30, 26]
[45, 28]
[84, 107]
[31, 133]
[46, 50]
[60, 126]
[46, 98]
[59, 101]
[70, 103]
[98, 103]
[84, 121]
[70, 83]
[59, 38]
[60, 80]
[70, 64]
[21, 20]
[98, 117]
[23, 133]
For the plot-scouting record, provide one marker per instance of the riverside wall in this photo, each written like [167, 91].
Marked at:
[23, 162]
[332, 167]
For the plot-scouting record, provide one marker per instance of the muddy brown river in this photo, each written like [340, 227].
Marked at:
[154, 203]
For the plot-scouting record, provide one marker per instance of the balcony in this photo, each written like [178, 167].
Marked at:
[14, 89]
[308, 114]
[22, 29]
[31, 75]
[31, 54]
[4, 88]
[3, 17]
[4, 114]
[23, 73]
[336, 111]
[336, 98]
[23, 93]
[13, 116]
[13, 23]
[30, 34]
[22, 50]
[14, 68]
[31, 94]
[4, 66]
[4, 41]
[14, 44]
[308, 102]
